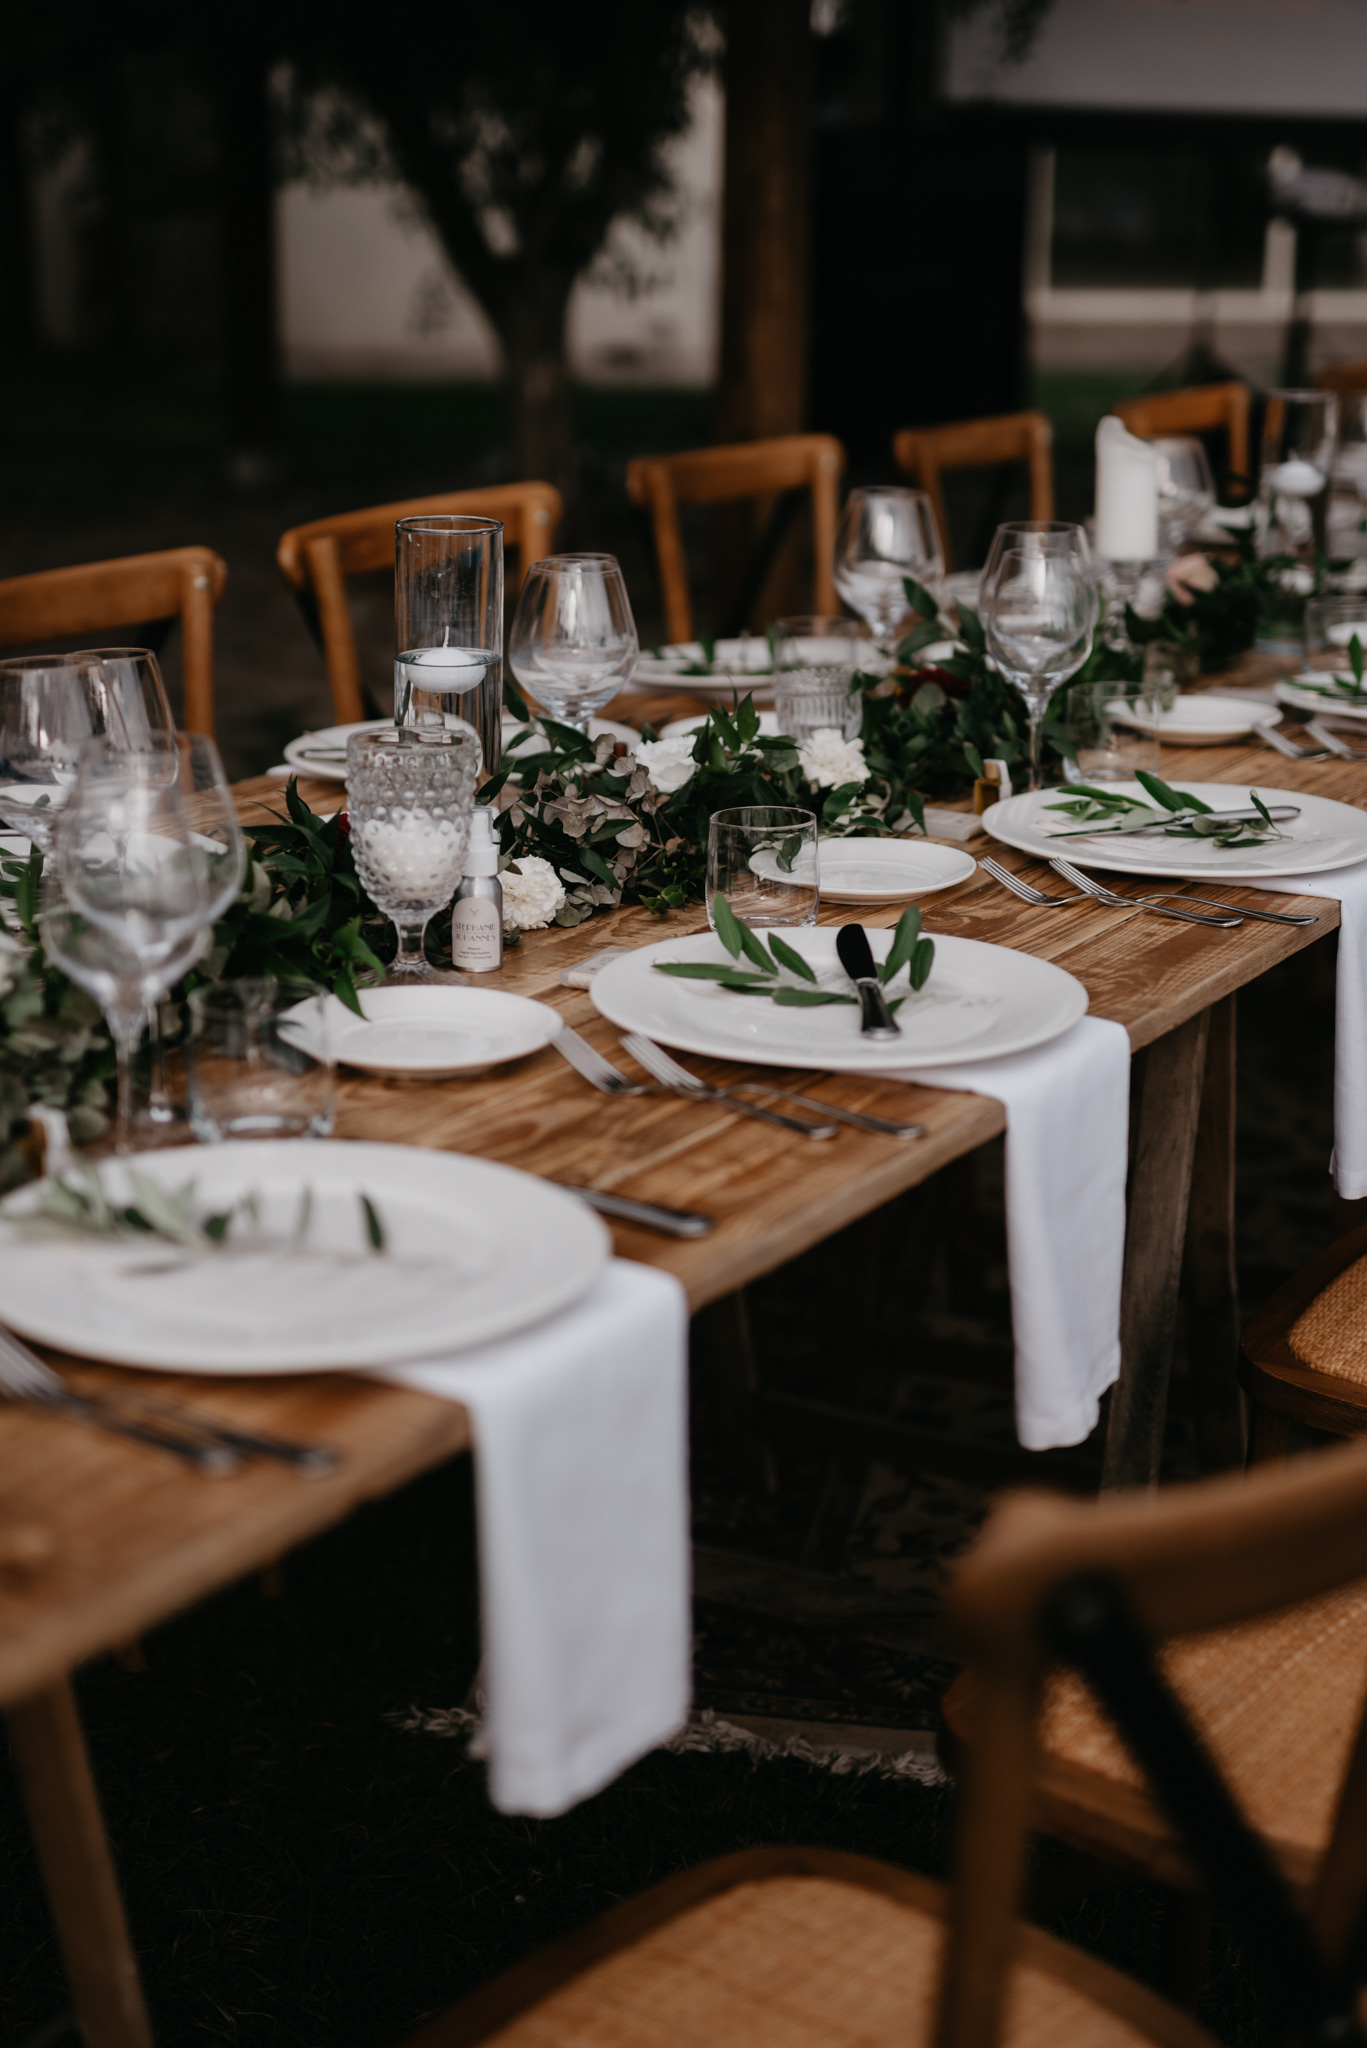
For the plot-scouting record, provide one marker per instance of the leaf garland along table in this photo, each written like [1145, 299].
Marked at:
[101, 1539]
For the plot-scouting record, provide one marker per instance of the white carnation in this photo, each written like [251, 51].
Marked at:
[668, 763]
[829, 759]
[532, 893]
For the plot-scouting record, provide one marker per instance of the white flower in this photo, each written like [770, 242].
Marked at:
[668, 763]
[828, 759]
[12, 957]
[532, 893]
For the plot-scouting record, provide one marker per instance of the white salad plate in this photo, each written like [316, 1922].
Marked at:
[323, 753]
[1206, 718]
[1294, 693]
[1325, 835]
[869, 870]
[432, 1031]
[736, 666]
[472, 1252]
[979, 1003]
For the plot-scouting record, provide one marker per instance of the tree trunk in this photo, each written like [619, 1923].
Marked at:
[251, 353]
[531, 324]
[764, 220]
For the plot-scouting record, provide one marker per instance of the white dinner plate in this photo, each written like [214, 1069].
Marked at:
[431, 1031]
[737, 666]
[323, 753]
[979, 1003]
[1293, 692]
[473, 1252]
[1326, 835]
[1205, 718]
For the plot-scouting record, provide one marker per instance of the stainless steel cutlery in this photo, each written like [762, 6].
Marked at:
[1159, 896]
[679, 1081]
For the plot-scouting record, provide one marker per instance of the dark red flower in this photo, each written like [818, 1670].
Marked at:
[952, 685]
[344, 824]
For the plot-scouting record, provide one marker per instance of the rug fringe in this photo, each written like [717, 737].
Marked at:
[707, 1732]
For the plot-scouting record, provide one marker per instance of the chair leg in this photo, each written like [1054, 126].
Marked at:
[78, 1870]
[1269, 1436]
[1186, 1940]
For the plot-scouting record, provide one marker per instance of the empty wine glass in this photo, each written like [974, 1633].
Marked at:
[410, 793]
[1039, 613]
[50, 706]
[1186, 488]
[573, 643]
[126, 901]
[887, 533]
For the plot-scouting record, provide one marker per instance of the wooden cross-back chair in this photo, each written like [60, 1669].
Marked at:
[1254, 1584]
[1303, 1357]
[1197, 409]
[797, 1946]
[138, 591]
[315, 561]
[924, 454]
[783, 469]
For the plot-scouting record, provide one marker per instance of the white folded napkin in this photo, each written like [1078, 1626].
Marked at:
[1067, 1147]
[581, 1484]
[1349, 885]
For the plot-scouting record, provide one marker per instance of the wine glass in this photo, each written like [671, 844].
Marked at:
[1039, 613]
[50, 706]
[126, 902]
[410, 793]
[573, 643]
[1186, 489]
[887, 533]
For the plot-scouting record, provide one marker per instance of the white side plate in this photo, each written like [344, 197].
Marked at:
[979, 1003]
[430, 1031]
[1203, 719]
[1292, 692]
[474, 1251]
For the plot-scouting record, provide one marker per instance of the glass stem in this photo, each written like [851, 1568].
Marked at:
[160, 1107]
[1037, 712]
[410, 953]
[125, 1029]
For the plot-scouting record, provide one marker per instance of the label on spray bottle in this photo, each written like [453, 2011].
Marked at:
[476, 935]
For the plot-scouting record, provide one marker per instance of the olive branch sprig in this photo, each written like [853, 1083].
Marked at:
[1339, 686]
[768, 968]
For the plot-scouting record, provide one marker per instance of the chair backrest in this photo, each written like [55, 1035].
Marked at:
[315, 560]
[924, 453]
[133, 590]
[1345, 378]
[1191, 1558]
[744, 469]
[1198, 409]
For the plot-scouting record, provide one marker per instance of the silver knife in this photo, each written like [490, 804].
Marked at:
[649, 1215]
[856, 957]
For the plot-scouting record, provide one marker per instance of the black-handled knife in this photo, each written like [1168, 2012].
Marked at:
[856, 957]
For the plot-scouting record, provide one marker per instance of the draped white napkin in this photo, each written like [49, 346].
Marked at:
[581, 1481]
[1067, 1146]
[1349, 887]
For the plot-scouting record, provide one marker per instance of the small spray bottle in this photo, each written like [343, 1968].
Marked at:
[477, 918]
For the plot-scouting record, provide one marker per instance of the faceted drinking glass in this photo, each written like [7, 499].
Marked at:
[409, 798]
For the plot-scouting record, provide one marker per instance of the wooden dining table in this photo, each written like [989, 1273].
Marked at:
[101, 1539]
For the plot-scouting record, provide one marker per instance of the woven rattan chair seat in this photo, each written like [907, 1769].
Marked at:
[1277, 1700]
[1331, 1334]
[811, 1962]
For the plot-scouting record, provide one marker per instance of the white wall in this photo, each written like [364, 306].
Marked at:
[366, 291]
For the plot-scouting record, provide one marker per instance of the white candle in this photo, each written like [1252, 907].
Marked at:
[1295, 479]
[1126, 494]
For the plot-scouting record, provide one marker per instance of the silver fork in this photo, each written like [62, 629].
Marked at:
[592, 1067]
[1027, 892]
[1280, 744]
[1236, 911]
[679, 1081]
[1333, 741]
[1158, 904]
[211, 1447]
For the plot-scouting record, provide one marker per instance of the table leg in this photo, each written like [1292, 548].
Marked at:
[64, 1813]
[1165, 1107]
[1209, 1282]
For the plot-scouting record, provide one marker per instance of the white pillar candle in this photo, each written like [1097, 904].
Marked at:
[1126, 494]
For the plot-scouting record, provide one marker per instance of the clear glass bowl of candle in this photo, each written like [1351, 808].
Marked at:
[410, 793]
[1331, 623]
